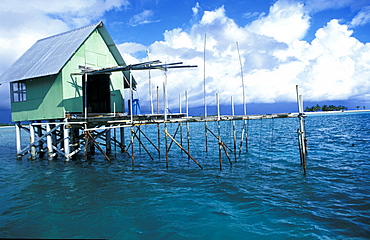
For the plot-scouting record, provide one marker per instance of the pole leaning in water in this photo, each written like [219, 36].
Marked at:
[302, 141]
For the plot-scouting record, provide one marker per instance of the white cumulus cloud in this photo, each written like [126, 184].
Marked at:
[334, 66]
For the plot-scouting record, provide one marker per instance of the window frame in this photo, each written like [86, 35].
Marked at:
[19, 91]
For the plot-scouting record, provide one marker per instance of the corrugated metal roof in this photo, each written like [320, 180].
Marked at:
[48, 56]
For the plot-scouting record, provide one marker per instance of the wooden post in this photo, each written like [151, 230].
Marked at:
[122, 138]
[166, 137]
[132, 147]
[131, 98]
[302, 141]
[158, 110]
[85, 96]
[49, 142]
[54, 139]
[40, 144]
[234, 128]
[18, 137]
[66, 141]
[108, 140]
[219, 130]
[159, 139]
[187, 123]
[32, 139]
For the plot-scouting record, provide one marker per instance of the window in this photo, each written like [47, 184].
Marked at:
[19, 92]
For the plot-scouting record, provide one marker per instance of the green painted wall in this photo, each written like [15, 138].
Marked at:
[97, 55]
[43, 95]
[51, 97]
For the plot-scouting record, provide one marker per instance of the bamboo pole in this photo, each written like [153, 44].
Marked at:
[97, 145]
[183, 149]
[131, 99]
[302, 142]
[132, 147]
[166, 137]
[233, 124]
[159, 139]
[150, 86]
[142, 144]
[204, 91]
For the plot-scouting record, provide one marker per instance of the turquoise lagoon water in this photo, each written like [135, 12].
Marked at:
[262, 195]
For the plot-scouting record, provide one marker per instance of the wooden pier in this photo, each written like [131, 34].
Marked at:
[75, 135]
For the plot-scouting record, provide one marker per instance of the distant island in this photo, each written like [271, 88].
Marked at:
[325, 108]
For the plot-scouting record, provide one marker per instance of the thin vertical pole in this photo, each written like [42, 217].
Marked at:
[122, 138]
[241, 73]
[150, 86]
[54, 139]
[108, 141]
[187, 123]
[186, 103]
[302, 141]
[218, 106]
[204, 76]
[165, 95]
[159, 139]
[18, 137]
[32, 139]
[180, 106]
[219, 143]
[233, 123]
[40, 144]
[158, 112]
[49, 142]
[132, 147]
[204, 91]
[85, 95]
[66, 141]
[115, 138]
[166, 138]
[131, 99]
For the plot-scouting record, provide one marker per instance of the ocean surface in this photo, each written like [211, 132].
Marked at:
[262, 195]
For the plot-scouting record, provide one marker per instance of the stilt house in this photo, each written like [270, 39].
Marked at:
[44, 84]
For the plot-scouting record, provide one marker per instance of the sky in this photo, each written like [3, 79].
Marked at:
[323, 46]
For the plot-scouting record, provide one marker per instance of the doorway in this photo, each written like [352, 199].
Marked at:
[97, 93]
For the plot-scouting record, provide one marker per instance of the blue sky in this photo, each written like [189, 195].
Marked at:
[321, 45]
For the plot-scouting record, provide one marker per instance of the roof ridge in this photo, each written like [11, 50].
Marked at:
[99, 24]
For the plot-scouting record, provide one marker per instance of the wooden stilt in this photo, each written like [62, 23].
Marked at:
[18, 138]
[54, 141]
[142, 144]
[233, 126]
[40, 149]
[159, 139]
[302, 141]
[49, 143]
[122, 138]
[132, 147]
[166, 138]
[32, 140]
[188, 138]
[91, 138]
[66, 141]
[183, 149]
[108, 141]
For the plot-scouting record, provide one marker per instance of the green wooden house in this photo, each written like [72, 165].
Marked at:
[44, 81]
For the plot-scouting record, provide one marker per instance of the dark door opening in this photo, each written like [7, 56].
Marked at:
[97, 93]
